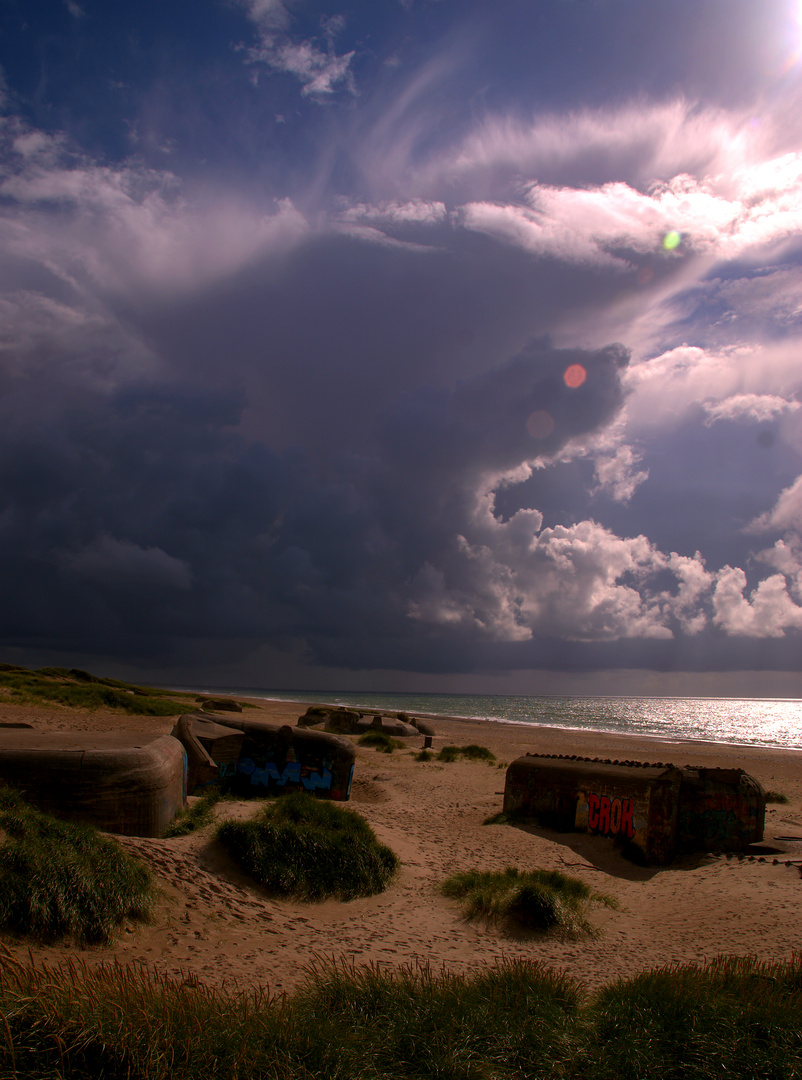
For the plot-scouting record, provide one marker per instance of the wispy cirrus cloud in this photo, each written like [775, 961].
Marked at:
[321, 71]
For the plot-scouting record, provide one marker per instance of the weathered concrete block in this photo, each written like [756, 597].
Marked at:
[127, 784]
[653, 811]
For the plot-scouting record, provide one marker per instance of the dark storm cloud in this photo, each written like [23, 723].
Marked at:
[135, 520]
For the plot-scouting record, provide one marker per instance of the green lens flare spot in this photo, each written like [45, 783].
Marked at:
[671, 240]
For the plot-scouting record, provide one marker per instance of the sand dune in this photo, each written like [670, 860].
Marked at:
[214, 926]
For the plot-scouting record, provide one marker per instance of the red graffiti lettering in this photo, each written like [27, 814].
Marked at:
[593, 810]
[604, 815]
[611, 816]
[627, 814]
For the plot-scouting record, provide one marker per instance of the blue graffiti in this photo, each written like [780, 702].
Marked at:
[292, 773]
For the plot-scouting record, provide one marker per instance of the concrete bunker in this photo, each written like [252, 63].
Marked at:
[654, 811]
[251, 758]
[133, 785]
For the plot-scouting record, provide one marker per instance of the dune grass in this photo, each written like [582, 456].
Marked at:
[732, 1017]
[381, 741]
[310, 849]
[777, 797]
[537, 900]
[472, 752]
[80, 689]
[198, 815]
[515, 1020]
[62, 879]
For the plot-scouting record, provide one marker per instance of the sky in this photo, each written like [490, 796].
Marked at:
[413, 345]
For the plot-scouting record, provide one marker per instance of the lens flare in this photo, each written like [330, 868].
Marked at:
[671, 240]
[574, 376]
[540, 424]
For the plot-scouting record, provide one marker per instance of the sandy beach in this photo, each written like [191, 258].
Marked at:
[212, 925]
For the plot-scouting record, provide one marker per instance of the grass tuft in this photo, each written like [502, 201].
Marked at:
[197, 816]
[472, 752]
[424, 755]
[777, 797]
[63, 879]
[538, 900]
[383, 742]
[310, 849]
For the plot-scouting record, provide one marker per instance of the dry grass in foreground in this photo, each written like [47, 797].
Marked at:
[733, 1017]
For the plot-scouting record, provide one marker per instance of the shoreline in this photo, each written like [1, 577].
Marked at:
[303, 703]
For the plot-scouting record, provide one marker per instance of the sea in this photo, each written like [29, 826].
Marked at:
[769, 722]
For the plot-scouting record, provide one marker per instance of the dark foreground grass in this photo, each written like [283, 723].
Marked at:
[535, 900]
[733, 1017]
[61, 879]
[310, 849]
[513, 1021]
[80, 689]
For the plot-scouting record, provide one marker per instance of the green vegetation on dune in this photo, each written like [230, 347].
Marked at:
[61, 879]
[381, 741]
[310, 849]
[535, 900]
[79, 689]
[777, 797]
[472, 752]
[516, 1020]
[199, 814]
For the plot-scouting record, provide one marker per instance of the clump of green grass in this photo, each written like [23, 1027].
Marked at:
[535, 900]
[196, 816]
[79, 689]
[63, 879]
[424, 755]
[777, 797]
[472, 752]
[311, 849]
[383, 742]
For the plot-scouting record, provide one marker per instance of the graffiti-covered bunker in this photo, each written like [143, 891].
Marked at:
[249, 757]
[655, 812]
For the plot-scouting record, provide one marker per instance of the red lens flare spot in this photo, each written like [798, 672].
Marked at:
[540, 424]
[645, 275]
[574, 376]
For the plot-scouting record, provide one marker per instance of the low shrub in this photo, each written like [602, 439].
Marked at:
[535, 900]
[383, 742]
[62, 879]
[472, 752]
[424, 755]
[311, 849]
